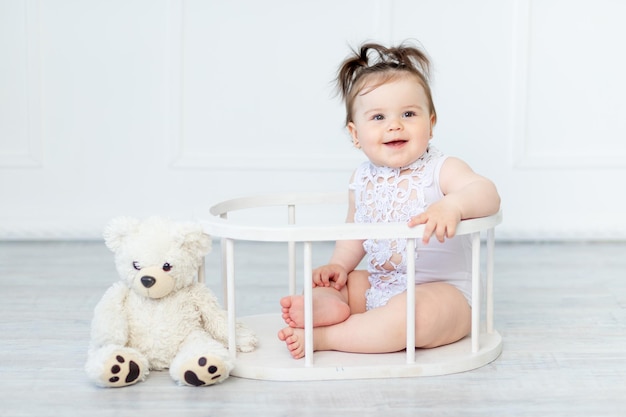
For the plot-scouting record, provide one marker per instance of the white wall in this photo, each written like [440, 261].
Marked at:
[139, 107]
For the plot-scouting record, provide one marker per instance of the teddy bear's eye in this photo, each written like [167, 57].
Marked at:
[136, 265]
[167, 266]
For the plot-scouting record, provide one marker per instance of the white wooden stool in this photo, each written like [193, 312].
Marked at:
[272, 361]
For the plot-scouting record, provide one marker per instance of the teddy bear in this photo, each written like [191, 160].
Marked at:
[158, 316]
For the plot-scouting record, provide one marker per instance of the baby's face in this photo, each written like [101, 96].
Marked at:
[392, 123]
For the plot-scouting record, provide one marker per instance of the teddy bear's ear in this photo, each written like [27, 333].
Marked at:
[117, 230]
[195, 241]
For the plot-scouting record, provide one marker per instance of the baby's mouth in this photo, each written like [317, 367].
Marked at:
[396, 142]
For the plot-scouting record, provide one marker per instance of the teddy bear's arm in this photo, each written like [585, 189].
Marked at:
[110, 324]
[215, 321]
[214, 317]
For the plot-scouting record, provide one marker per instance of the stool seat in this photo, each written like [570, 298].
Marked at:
[271, 361]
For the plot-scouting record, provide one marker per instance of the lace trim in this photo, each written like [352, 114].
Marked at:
[385, 195]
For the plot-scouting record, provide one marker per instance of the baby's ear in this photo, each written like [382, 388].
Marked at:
[118, 229]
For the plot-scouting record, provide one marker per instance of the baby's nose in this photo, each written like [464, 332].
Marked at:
[394, 124]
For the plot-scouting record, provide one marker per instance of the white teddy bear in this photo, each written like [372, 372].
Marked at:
[158, 316]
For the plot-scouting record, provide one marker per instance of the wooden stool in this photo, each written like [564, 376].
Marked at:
[272, 361]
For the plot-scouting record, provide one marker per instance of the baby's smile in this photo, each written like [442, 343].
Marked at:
[396, 143]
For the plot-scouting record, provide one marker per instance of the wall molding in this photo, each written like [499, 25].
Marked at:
[30, 154]
[63, 232]
[523, 157]
[185, 158]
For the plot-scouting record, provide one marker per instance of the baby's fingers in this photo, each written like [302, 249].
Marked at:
[450, 230]
[320, 281]
[417, 220]
[429, 230]
[324, 277]
[440, 230]
[340, 280]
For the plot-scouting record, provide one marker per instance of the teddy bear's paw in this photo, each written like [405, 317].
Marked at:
[203, 371]
[121, 370]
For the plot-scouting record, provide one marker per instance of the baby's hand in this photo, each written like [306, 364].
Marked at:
[330, 275]
[439, 219]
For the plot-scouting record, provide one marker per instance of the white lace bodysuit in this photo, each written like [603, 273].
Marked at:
[384, 194]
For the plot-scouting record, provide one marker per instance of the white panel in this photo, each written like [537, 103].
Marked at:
[20, 113]
[470, 50]
[104, 122]
[168, 106]
[254, 83]
[570, 84]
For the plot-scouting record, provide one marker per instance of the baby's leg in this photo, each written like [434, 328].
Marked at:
[358, 284]
[442, 317]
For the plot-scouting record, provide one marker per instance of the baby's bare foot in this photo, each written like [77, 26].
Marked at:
[294, 339]
[328, 309]
[295, 317]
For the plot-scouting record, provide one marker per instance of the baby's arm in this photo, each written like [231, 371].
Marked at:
[346, 257]
[467, 195]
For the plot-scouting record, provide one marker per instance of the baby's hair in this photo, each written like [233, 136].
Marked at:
[386, 64]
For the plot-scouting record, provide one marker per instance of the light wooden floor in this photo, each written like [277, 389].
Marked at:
[560, 308]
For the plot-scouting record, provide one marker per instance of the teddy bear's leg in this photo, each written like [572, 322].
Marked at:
[116, 366]
[201, 361]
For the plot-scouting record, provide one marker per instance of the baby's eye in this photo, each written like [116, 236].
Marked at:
[136, 265]
[167, 266]
[378, 117]
[408, 114]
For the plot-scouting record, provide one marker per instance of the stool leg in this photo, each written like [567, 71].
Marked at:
[475, 291]
[410, 301]
[490, 266]
[201, 271]
[308, 304]
[230, 296]
[291, 248]
[224, 262]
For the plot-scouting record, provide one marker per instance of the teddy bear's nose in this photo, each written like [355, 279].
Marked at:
[147, 281]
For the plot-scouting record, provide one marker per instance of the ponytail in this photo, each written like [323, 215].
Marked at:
[373, 58]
